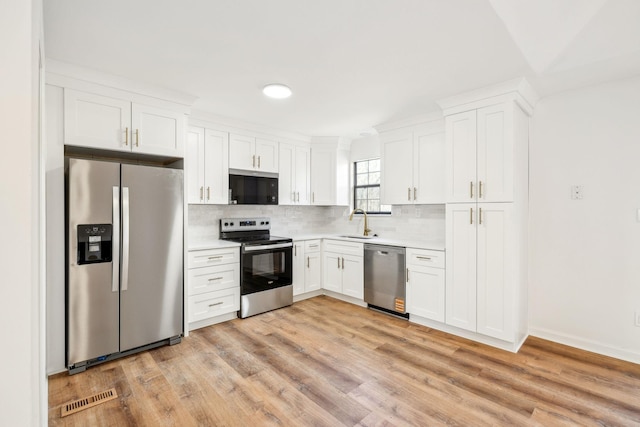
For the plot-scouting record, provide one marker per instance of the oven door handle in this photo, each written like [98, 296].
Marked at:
[267, 247]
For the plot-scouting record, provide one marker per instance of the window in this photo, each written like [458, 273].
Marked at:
[366, 188]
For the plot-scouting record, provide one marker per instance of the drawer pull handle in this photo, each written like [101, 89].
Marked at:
[215, 257]
[426, 258]
[216, 303]
[313, 246]
[216, 278]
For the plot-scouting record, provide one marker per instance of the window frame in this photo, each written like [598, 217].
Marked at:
[355, 187]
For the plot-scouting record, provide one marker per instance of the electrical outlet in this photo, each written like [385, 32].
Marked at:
[576, 192]
[637, 322]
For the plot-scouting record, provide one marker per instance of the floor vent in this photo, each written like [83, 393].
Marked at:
[88, 402]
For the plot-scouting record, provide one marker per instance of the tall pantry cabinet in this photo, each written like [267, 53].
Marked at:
[486, 212]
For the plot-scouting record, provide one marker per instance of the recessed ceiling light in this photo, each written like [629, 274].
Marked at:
[277, 91]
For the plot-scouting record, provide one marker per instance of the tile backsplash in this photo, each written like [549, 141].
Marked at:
[425, 222]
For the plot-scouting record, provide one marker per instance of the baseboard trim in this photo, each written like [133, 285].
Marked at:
[584, 344]
[512, 347]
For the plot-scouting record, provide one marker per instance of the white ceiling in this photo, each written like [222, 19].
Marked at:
[352, 64]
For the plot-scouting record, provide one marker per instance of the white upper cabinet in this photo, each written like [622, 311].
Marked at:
[103, 122]
[207, 166]
[396, 157]
[156, 130]
[294, 184]
[329, 175]
[480, 155]
[194, 167]
[413, 165]
[255, 154]
[96, 121]
[266, 155]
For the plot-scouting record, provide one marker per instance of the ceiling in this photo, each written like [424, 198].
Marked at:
[352, 64]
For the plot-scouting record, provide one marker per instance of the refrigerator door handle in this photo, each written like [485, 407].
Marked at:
[115, 241]
[125, 238]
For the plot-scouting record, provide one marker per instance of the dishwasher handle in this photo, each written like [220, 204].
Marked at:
[383, 250]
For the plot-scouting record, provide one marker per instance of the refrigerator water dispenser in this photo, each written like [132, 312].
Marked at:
[94, 243]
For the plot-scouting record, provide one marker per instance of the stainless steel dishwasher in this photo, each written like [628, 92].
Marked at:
[384, 278]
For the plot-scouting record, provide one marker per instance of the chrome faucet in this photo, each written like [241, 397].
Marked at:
[366, 226]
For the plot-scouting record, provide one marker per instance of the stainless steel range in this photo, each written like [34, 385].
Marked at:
[265, 264]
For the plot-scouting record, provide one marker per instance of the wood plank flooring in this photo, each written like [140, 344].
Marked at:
[323, 362]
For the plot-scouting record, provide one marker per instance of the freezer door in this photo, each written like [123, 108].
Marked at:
[92, 289]
[151, 300]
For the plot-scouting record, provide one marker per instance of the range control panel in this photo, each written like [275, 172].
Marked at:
[94, 243]
[244, 224]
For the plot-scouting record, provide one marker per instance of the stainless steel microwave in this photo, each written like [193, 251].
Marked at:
[252, 188]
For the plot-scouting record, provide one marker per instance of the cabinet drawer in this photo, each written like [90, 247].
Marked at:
[425, 257]
[208, 279]
[312, 246]
[209, 257]
[211, 304]
[342, 247]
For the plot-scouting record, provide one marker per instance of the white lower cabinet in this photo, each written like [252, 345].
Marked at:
[481, 284]
[213, 284]
[343, 268]
[306, 266]
[425, 284]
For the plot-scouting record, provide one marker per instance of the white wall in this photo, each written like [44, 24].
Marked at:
[20, 371]
[585, 254]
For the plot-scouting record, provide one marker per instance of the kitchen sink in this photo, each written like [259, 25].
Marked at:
[356, 236]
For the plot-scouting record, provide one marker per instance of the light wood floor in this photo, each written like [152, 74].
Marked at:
[322, 362]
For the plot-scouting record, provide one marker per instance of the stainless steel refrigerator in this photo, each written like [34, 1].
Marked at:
[124, 259]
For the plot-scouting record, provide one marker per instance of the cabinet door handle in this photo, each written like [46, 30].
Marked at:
[415, 191]
[213, 279]
[137, 137]
[295, 250]
[298, 197]
[308, 262]
[426, 258]
[409, 194]
[480, 216]
[258, 162]
[479, 189]
[217, 303]
[471, 189]
[471, 216]
[313, 197]
[201, 193]
[338, 263]
[254, 161]
[208, 193]
[126, 136]
[343, 263]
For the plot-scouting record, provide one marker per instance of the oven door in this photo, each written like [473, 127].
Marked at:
[265, 267]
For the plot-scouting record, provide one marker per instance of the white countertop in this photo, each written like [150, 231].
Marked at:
[201, 244]
[436, 245]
